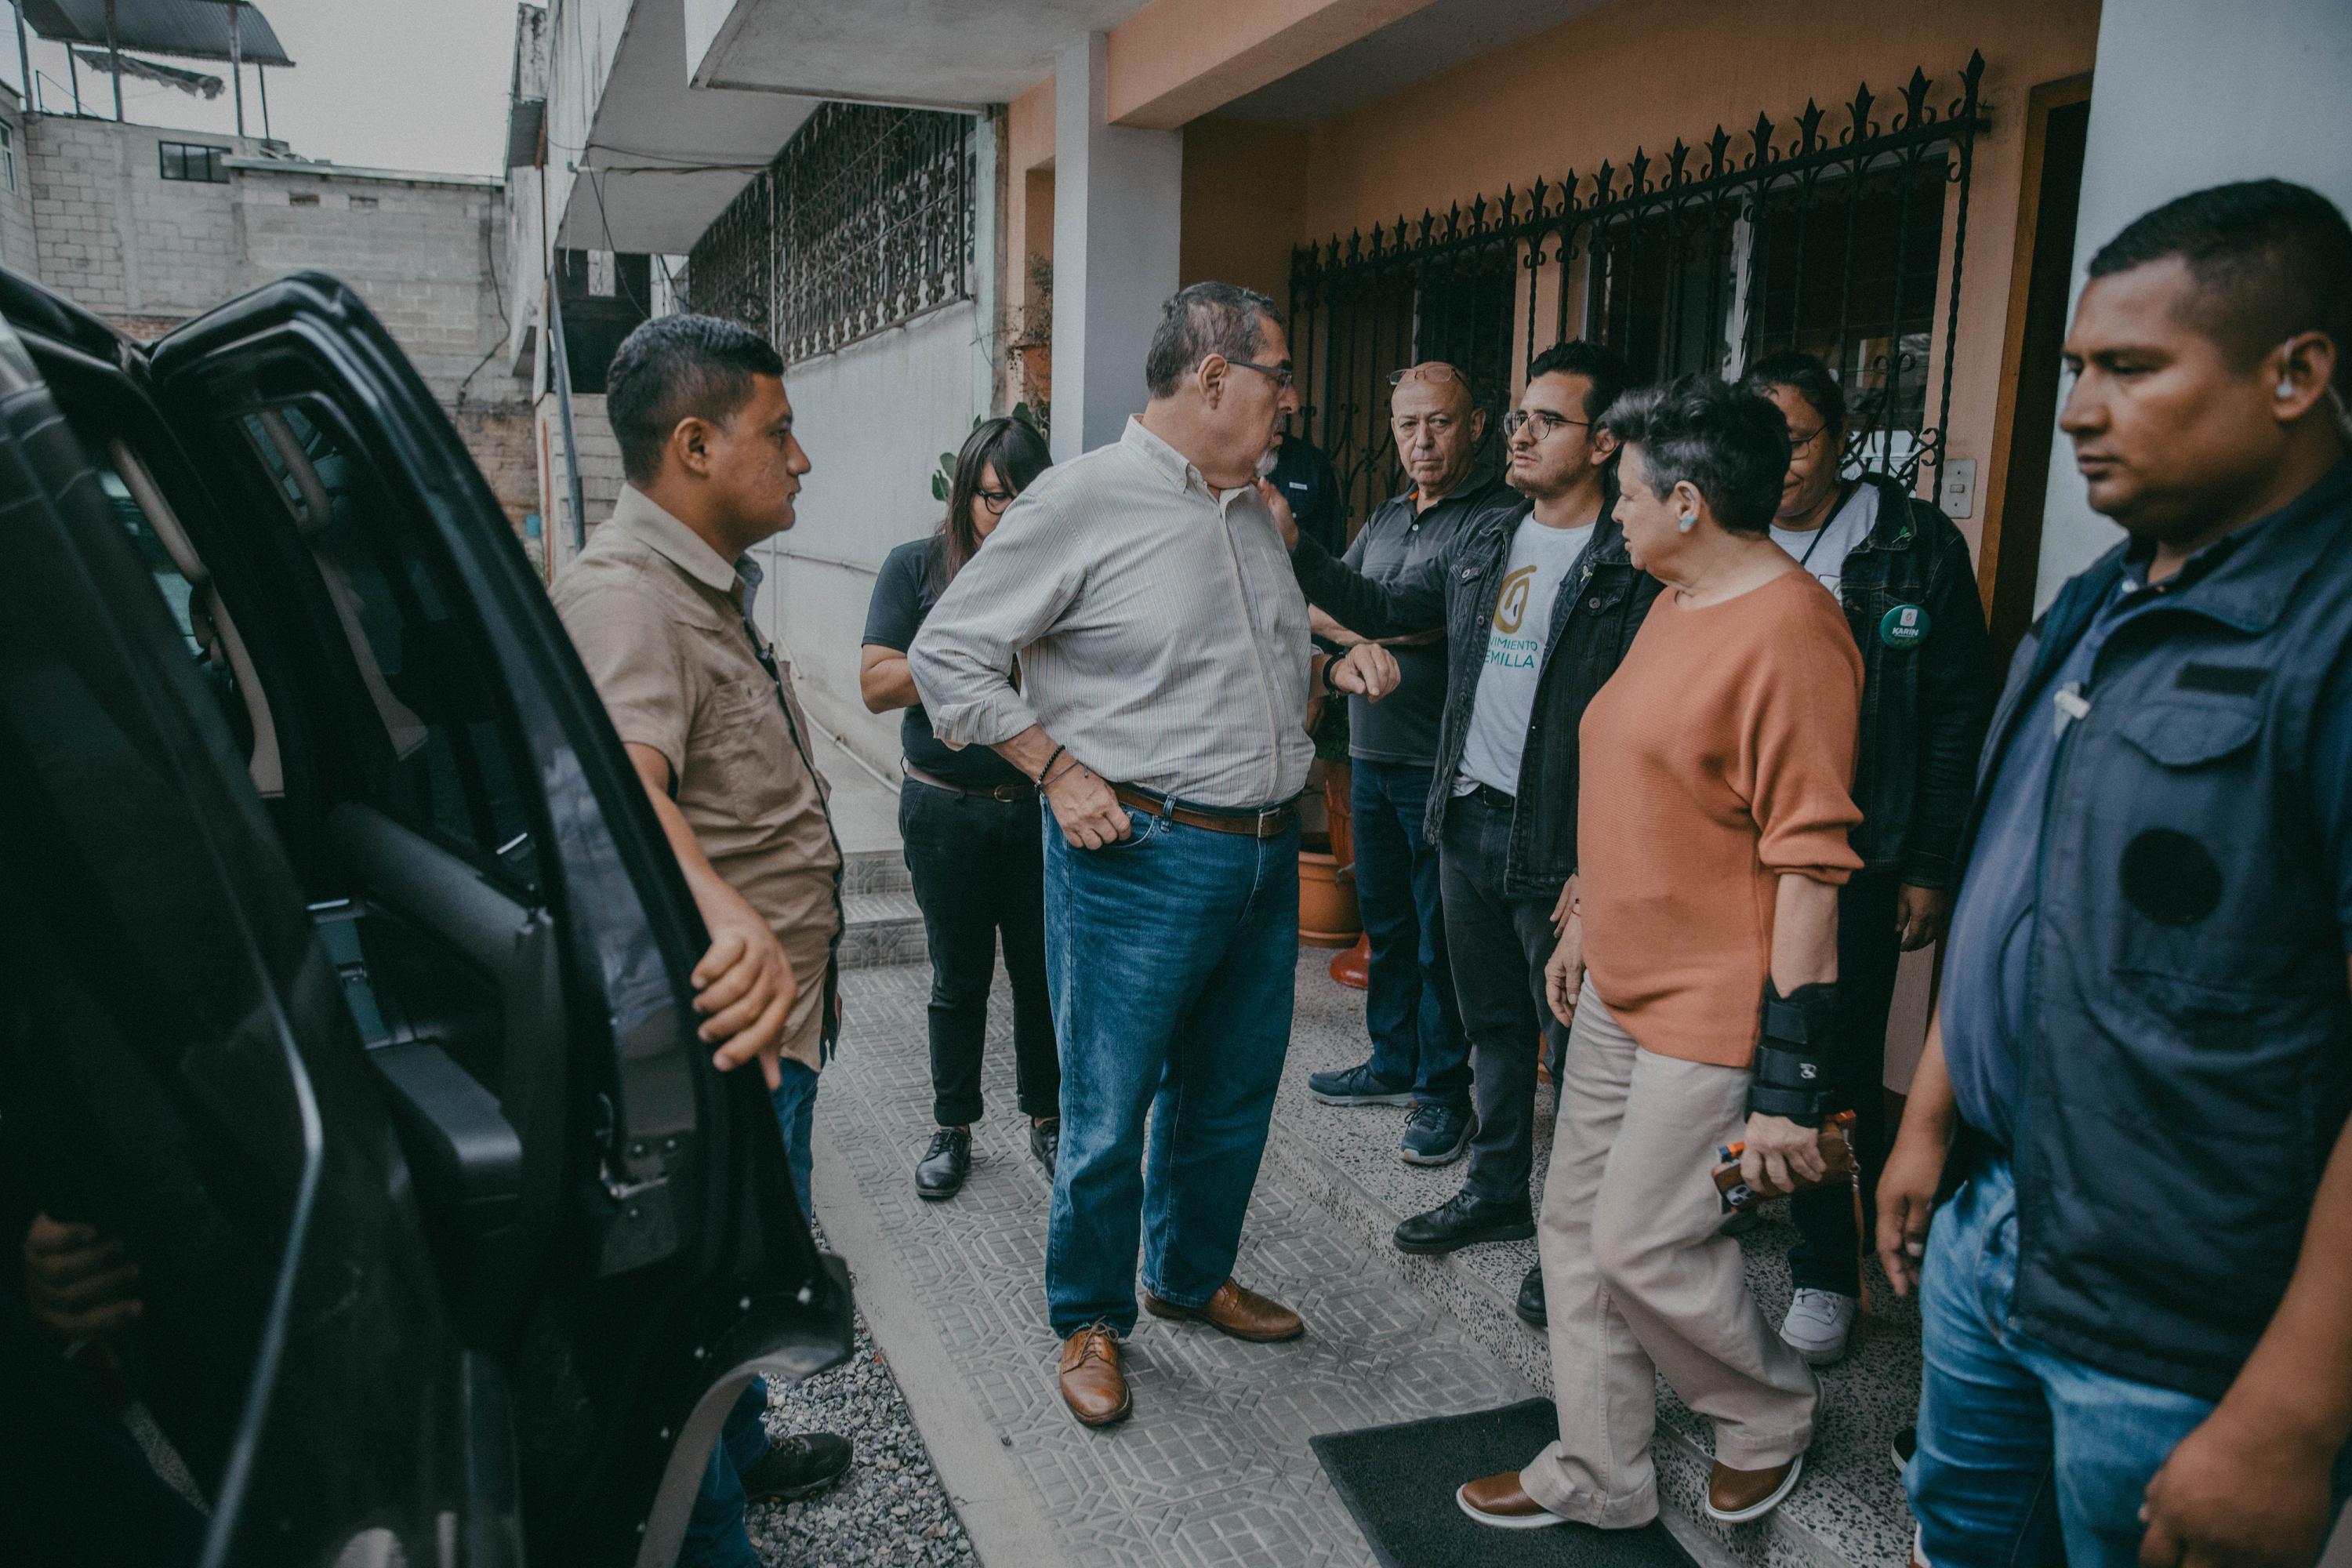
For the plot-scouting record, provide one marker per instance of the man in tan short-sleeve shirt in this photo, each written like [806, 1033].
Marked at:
[657, 606]
[658, 619]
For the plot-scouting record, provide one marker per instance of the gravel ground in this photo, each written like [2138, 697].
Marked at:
[891, 1507]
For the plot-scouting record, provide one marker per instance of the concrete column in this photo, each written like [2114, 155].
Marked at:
[1118, 196]
[2155, 58]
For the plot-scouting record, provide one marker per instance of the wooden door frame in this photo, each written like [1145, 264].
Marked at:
[2050, 95]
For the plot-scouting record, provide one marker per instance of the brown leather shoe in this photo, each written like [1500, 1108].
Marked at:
[1093, 1386]
[1499, 1500]
[1243, 1314]
[1735, 1497]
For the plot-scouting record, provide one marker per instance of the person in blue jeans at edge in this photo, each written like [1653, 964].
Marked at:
[1162, 713]
[658, 606]
[2137, 1306]
[1421, 1057]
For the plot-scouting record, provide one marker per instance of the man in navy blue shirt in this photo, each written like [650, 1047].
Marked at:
[2137, 1306]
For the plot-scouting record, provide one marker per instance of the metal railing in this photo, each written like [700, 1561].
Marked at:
[862, 222]
[1846, 242]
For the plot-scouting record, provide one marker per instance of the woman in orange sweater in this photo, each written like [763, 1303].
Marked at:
[1696, 970]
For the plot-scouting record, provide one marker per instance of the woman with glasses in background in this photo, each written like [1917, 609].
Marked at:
[969, 822]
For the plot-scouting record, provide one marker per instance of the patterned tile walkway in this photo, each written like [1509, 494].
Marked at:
[1215, 1467]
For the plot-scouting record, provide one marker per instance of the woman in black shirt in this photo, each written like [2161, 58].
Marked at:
[969, 821]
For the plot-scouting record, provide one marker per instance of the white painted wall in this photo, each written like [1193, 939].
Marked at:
[873, 418]
[2187, 94]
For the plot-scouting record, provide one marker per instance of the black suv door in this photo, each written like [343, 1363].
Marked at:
[612, 1242]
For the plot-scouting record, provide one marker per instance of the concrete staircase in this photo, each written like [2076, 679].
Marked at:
[880, 923]
[1848, 1511]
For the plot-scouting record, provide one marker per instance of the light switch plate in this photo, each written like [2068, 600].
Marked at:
[1959, 494]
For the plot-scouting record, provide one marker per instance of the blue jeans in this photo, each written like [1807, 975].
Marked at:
[715, 1537]
[1172, 956]
[1409, 1008]
[2025, 1456]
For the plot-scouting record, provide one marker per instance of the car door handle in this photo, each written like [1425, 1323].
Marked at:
[467, 1158]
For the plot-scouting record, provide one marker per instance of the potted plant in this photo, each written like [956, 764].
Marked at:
[1328, 915]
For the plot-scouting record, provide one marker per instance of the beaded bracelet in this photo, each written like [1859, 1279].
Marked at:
[1049, 765]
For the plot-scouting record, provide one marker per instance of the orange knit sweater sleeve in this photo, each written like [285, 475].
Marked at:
[1798, 740]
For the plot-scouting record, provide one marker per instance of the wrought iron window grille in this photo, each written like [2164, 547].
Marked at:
[862, 223]
[1833, 239]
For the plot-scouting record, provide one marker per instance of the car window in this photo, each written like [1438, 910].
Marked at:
[454, 775]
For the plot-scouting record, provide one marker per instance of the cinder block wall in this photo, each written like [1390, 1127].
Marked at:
[107, 230]
[115, 237]
[18, 252]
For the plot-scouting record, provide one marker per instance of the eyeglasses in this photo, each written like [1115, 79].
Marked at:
[1547, 423]
[1280, 373]
[1798, 443]
[996, 501]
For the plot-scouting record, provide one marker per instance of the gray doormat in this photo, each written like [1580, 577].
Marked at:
[1397, 1482]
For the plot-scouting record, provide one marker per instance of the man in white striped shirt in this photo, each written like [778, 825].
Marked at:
[1166, 671]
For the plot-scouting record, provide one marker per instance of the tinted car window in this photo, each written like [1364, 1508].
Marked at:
[453, 775]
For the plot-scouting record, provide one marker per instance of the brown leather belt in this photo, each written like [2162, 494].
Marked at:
[1004, 792]
[1271, 823]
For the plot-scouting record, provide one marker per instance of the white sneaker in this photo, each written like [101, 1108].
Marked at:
[1819, 1324]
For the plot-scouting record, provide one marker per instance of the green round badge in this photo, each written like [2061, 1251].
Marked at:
[1905, 626]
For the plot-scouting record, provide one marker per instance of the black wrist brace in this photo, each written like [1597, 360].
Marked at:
[1792, 1074]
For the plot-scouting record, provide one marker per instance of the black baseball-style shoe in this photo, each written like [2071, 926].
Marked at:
[797, 1467]
[1530, 1304]
[1466, 1220]
[941, 1172]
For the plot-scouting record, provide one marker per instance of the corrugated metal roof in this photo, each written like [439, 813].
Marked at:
[188, 29]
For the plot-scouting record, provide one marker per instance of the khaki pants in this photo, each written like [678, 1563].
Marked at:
[1638, 1280]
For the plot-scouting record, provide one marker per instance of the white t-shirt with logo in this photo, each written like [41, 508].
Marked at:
[1823, 550]
[1541, 557]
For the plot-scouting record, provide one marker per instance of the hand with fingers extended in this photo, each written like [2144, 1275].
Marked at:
[1564, 971]
[744, 990]
[79, 1285]
[1907, 1200]
[1086, 807]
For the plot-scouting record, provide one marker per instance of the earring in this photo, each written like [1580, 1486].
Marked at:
[1689, 520]
[2287, 386]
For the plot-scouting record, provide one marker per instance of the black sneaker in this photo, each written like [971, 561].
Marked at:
[1464, 1220]
[797, 1467]
[941, 1172]
[1906, 1444]
[1530, 1304]
[1046, 1141]
[1356, 1086]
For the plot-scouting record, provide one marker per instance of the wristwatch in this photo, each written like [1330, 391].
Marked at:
[1331, 664]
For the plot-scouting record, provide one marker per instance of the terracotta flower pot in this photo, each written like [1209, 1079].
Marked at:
[1327, 900]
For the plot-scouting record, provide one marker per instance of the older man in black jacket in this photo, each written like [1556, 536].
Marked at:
[1538, 605]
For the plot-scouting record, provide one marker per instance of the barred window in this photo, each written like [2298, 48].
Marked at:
[862, 222]
[193, 160]
[1845, 242]
[7, 158]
